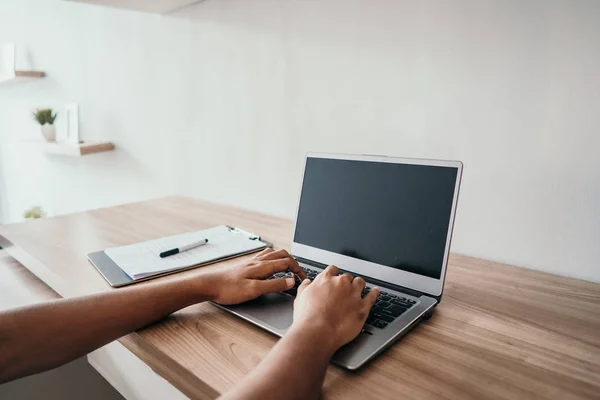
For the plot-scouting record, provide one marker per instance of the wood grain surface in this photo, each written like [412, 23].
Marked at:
[19, 287]
[501, 332]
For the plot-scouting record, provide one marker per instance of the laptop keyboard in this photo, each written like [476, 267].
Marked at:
[388, 307]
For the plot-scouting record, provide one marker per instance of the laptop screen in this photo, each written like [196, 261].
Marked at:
[397, 215]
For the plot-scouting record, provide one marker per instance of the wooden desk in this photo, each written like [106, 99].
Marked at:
[501, 332]
[19, 287]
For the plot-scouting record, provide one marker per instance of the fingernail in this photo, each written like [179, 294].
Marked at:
[290, 282]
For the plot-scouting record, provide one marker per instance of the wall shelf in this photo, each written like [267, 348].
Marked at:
[21, 75]
[151, 6]
[29, 74]
[9, 71]
[76, 150]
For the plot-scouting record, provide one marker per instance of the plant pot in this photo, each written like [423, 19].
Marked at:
[49, 132]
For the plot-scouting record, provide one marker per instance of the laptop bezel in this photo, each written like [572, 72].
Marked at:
[381, 272]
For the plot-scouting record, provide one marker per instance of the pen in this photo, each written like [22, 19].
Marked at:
[183, 248]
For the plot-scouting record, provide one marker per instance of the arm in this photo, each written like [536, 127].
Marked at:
[44, 336]
[328, 313]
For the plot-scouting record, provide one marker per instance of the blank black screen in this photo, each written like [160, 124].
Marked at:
[396, 215]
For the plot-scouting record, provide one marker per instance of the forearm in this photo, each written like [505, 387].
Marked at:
[43, 336]
[294, 369]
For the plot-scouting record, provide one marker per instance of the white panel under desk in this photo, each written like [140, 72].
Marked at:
[152, 6]
[130, 375]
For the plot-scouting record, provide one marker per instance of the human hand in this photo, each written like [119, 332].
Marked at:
[332, 305]
[244, 281]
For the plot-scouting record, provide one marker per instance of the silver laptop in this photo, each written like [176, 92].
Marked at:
[386, 219]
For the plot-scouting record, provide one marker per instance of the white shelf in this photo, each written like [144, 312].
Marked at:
[9, 71]
[75, 150]
[21, 75]
[151, 6]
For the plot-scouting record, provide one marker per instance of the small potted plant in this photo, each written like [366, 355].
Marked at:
[34, 213]
[45, 117]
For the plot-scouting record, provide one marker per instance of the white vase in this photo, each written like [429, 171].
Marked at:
[49, 132]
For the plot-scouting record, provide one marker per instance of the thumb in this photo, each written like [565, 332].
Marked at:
[303, 286]
[273, 285]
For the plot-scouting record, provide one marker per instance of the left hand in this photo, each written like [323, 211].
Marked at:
[245, 281]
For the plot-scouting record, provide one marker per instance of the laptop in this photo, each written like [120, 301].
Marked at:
[386, 219]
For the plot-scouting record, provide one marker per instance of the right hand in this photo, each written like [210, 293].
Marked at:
[333, 305]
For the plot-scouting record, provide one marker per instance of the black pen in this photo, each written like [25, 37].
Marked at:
[183, 248]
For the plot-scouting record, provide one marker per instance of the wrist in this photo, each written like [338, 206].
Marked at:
[200, 288]
[318, 333]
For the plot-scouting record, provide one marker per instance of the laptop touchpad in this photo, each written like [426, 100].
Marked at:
[273, 309]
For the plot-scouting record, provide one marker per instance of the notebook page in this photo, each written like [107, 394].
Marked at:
[142, 259]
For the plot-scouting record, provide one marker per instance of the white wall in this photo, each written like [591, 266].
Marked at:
[221, 101]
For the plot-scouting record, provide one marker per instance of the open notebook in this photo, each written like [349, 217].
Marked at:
[142, 260]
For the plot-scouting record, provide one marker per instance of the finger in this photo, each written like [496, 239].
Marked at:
[371, 298]
[273, 286]
[281, 254]
[295, 267]
[332, 270]
[275, 254]
[358, 284]
[347, 277]
[264, 252]
[264, 269]
[303, 286]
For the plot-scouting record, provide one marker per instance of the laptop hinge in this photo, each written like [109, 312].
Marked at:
[402, 289]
